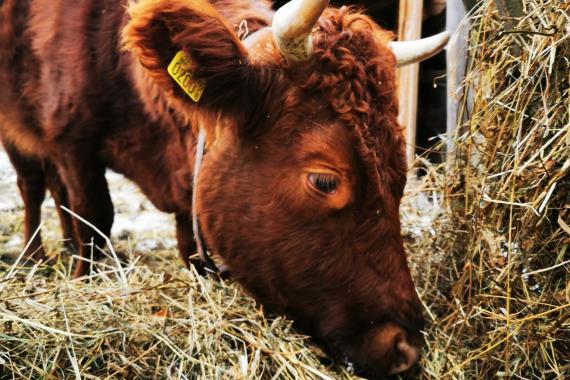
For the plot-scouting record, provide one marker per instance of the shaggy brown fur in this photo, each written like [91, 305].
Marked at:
[334, 262]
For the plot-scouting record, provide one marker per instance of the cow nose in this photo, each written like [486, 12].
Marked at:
[408, 356]
[387, 349]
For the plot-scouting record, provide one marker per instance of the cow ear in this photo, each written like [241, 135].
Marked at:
[159, 29]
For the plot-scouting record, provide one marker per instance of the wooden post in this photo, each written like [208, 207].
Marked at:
[409, 28]
[456, 63]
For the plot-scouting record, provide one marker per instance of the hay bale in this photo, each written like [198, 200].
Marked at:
[495, 273]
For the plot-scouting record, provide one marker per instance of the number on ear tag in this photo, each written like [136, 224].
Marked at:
[181, 70]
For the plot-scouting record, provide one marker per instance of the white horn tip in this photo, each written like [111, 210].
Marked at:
[408, 52]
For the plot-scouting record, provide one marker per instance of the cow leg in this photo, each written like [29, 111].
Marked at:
[84, 178]
[186, 243]
[31, 182]
[59, 194]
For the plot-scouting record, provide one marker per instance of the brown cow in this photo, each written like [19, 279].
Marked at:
[300, 188]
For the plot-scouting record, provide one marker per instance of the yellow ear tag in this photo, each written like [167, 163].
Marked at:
[181, 70]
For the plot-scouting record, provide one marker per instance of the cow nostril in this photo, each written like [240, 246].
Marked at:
[408, 355]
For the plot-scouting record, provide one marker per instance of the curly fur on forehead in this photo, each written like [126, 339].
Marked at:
[355, 71]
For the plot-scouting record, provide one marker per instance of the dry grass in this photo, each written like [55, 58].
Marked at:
[143, 321]
[487, 231]
[495, 274]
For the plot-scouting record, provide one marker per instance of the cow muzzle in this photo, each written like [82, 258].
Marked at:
[387, 349]
[408, 355]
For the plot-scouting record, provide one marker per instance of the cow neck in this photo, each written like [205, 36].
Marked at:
[209, 264]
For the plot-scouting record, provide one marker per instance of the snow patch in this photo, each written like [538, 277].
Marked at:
[9, 194]
[419, 214]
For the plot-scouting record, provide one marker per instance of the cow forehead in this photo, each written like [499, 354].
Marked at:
[355, 71]
[331, 143]
[352, 74]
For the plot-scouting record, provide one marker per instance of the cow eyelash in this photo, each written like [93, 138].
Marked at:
[325, 183]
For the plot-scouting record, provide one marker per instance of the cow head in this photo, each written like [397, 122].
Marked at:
[301, 185]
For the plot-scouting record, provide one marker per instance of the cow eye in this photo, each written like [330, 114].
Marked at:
[325, 183]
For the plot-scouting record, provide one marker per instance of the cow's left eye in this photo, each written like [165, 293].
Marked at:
[326, 183]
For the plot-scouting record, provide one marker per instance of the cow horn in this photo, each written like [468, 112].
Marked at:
[407, 52]
[292, 25]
